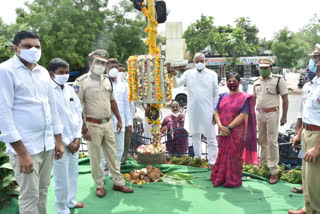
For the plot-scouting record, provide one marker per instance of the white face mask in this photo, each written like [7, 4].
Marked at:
[200, 66]
[176, 114]
[98, 69]
[31, 55]
[61, 79]
[113, 72]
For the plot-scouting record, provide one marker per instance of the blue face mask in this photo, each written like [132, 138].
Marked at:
[312, 66]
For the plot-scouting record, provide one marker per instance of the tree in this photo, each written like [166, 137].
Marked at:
[5, 49]
[124, 36]
[197, 35]
[308, 36]
[240, 40]
[71, 29]
[287, 48]
[68, 28]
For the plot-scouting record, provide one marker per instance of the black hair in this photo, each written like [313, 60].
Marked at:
[112, 61]
[55, 63]
[122, 65]
[25, 35]
[233, 74]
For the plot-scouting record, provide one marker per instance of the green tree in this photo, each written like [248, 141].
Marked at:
[68, 28]
[240, 40]
[5, 49]
[288, 49]
[308, 36]
[198, 34]
[124, 36]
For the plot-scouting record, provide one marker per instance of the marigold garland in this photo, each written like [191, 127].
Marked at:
[148, 29]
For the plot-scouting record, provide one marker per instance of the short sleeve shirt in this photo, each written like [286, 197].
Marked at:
[265, 91]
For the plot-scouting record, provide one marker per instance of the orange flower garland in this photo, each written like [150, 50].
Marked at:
[152, 20]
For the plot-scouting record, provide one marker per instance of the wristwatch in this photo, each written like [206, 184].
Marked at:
[229, 127]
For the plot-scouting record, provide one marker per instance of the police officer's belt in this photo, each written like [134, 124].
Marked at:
[98, 121]
[268, 109]
[310, 127]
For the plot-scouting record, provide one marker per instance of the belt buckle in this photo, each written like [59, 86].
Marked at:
[103, 120]
[305, 126]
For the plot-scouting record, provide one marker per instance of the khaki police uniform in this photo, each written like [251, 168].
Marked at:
[95, 96]
[309, 138]
[267, 111]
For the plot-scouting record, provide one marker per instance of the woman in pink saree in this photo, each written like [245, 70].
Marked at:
[236, 119]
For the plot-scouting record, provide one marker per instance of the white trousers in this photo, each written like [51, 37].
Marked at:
[65, 174]
[119, 149]
[212, 147]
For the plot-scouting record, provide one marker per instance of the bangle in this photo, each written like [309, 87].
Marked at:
[229, 127]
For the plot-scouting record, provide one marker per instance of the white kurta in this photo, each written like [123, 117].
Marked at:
[203, 93]
[120, 91]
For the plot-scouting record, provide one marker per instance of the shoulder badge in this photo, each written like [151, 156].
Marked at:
[76, 89]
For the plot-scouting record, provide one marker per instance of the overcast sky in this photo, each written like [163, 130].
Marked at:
[270, 16]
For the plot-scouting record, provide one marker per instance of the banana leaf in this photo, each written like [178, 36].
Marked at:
[7, 180]
[6, 166]
[14, 191]
[178, 178]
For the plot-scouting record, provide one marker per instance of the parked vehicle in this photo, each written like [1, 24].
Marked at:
[302, 80]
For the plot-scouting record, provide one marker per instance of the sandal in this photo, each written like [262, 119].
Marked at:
[297, 190]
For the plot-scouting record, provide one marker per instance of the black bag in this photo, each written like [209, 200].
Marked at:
[161, 11]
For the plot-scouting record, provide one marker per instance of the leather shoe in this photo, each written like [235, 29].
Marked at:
[274, 179]
[124, 189]
[301, 211]
[100, 192]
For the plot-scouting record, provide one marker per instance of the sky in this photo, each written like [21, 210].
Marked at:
[269, 16]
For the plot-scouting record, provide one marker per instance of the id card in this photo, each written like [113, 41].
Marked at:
[301, 154]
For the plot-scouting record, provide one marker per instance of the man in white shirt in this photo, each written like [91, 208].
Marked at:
[304, 96]
[29, 121]
[65, 170]
[309, 134]
[122, 77]
[203, 92]
[120, 92]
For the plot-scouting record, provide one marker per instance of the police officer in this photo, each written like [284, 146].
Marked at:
[267, 92]
[309, 134]
[96, 95]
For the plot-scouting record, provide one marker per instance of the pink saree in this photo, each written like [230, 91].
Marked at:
[240, 145]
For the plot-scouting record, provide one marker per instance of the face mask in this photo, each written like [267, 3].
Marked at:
[61, 79]
[98, 69]
[312, 66]
[233, 85]
[265, 72]
[176, 114]
[200, 66]
[31, 55]
[113, 72]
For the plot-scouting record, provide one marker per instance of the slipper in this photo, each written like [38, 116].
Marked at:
[80, 205]
[297, 190]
